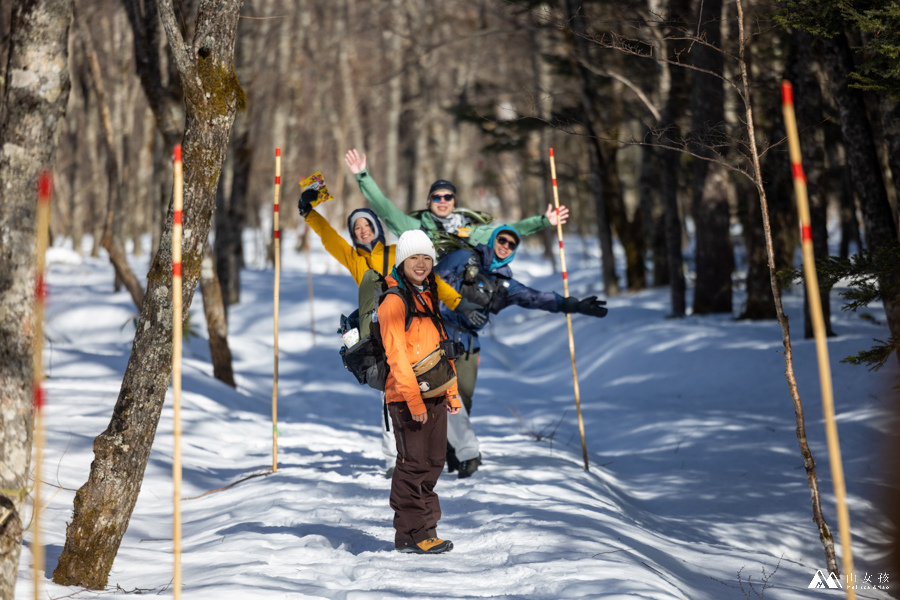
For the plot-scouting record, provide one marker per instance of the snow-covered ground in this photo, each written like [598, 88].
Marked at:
[696, 487]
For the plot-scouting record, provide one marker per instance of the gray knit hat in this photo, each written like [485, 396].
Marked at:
[413, 242]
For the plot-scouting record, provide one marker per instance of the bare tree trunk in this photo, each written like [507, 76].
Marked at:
[104, 504]
[229, 248]
[715, 261]
[214, 309]
[394, 104]
[809, 115]
[841, 183]
[760, 302]
[598, 164]
[654, 214]
[112, 232]
[34, 104]
[808, 462]
[881, 231]
[678, 12]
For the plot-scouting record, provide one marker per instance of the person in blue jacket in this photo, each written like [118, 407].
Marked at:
[482, 276]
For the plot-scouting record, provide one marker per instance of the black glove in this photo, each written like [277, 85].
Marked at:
[568, 305]
[471, 312]
[592, 307]
[589, 306]
[306, 199]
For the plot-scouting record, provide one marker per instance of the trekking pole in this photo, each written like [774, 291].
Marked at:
[562, 261]
[45, 188]
[309, 286]
[277, 284]
[177, 201]
[818, 322]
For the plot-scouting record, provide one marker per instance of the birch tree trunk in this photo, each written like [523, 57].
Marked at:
[104, 504]
[34, 102]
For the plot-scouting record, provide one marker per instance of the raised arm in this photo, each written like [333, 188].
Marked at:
[337, 246]
[394, 219]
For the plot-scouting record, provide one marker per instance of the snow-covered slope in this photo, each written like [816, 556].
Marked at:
[696, 487]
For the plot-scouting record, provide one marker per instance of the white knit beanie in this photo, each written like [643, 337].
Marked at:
[413, 242]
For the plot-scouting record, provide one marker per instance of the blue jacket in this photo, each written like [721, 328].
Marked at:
[452, 269]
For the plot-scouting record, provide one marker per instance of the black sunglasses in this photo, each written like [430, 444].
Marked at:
[442, 198]
[509, 243]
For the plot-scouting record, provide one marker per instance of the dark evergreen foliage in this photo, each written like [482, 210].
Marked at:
[863, 272]
[877, 20]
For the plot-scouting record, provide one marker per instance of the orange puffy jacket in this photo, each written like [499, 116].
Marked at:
[405, 347]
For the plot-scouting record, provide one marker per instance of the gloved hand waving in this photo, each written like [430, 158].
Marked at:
[589, 306]
[306, 201]
[472, 312]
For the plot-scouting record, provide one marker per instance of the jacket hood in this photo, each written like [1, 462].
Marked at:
[496, 263]
[373, 221]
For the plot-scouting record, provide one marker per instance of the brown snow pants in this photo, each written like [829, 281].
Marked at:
[421, 452]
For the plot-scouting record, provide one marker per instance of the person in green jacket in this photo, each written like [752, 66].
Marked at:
[443, 214]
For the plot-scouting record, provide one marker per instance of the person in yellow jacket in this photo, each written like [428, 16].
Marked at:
[369, 254]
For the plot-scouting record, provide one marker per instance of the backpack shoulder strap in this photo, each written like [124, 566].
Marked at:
[386, 257]
[395, 290]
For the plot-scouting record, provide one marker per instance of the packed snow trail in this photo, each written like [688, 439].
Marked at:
[696, 485]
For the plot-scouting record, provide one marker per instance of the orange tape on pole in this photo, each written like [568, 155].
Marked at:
[562, 260]
[277, 246]
[42, 239]
[177, 202]
[818, 322]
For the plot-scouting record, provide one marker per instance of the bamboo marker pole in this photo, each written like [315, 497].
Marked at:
[818, 322]
[178, 202]
[277, 285]
[562, 260]
[45, 189]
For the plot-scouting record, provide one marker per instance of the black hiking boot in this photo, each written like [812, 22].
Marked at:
[452, 461]
[468, 467]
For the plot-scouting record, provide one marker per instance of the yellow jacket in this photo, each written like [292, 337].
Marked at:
[359, 260]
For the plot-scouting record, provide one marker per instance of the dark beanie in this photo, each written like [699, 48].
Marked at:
[441, 184]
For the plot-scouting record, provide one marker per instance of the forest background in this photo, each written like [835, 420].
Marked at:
[643, 102]
[637, 98]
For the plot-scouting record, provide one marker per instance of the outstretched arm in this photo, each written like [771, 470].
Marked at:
[394, 219]
[337, 246]
[538, 223]
[526, 297]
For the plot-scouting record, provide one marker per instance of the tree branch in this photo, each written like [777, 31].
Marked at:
[176, 40]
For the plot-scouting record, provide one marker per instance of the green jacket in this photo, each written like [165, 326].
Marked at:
[398, 221]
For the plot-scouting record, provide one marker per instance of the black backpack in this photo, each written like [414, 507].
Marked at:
[366, 359]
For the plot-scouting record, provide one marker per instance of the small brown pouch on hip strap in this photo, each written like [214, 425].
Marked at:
[434, 373]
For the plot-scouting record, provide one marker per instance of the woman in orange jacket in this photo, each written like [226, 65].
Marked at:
[418, 408]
